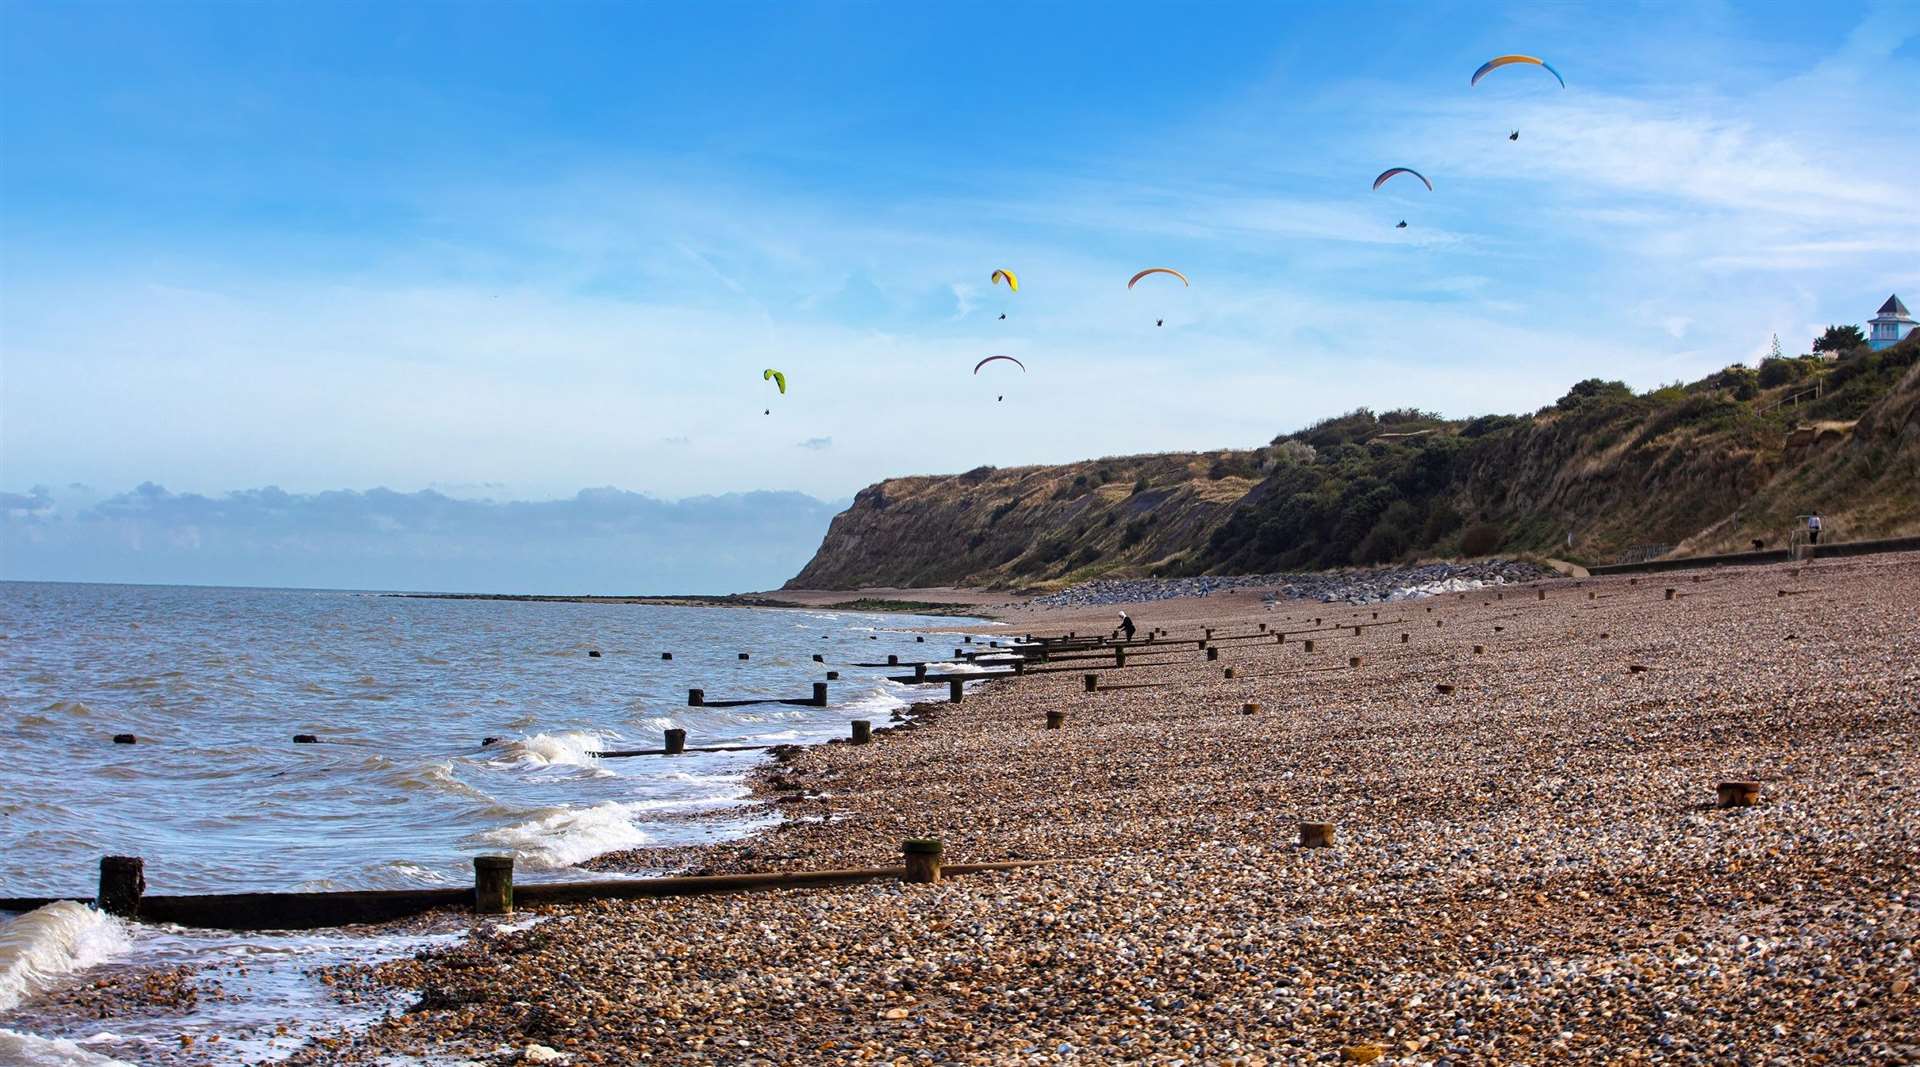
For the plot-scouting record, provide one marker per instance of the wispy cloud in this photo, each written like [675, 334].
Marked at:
[816, 443]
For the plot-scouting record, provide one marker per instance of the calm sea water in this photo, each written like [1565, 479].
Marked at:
[216, 797]
[216, 682]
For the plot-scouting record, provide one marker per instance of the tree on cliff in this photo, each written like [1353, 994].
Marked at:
[1840, 339]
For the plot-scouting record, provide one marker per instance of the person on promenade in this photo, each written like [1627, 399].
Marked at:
[1126, 626]
[1813, 529]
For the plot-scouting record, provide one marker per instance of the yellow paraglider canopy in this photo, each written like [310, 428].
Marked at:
[777, 378]
[1005, 275]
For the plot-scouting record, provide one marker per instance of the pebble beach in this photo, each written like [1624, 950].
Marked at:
[1528, 868]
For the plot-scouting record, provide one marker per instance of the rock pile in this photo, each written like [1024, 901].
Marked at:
[1353, 587]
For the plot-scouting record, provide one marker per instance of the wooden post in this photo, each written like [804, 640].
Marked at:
[862, 731]
[122, 880]
[1479, 650]
[1404, 638]
[593, 653]
[1353, 661]
[1228, 673]
[1092, 681]
[666, 655]
[919, 672]
[1250, 708]
[676, 740]
[818, 658]
[1669, 593]
[1605, 634]
[819, 694]
[1119, 656]
[1213, 653]
[1020, 666]
[966, 639]
[1443, 689]
[305, 739]
[1263, 627]
[893, 661]
[743, 655]
[1635, 668]
[1056, 719]
[1307, 645]
[953, 690]
[833, 676]
[1356, 631]
[696, 698]
[124, 739]
[920, 638]
[922, 856]
[1738, 794]
[1543, 594]
[1316, 835]
[493, 885]
[1589, 594]
[1376, 614]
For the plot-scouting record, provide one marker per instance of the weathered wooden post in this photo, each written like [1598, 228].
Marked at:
[744, 655]
[305, 739]
[1543, 594]
[1589, 594]
[1353, 661]
[696, 698]
[819, 694]
[1669, 592]
[1376, 614]
[1635, 668]
[953, 691]
[1316, 835]
[666, 655]
[1263, 627]
[676, 740]
[122, 881]
[893, 660]
[920, 638]
[1443, 689]
[1092, 681]
[124, 739]
[1250, 708]
[1119, 656]
[1307, 645]
[493, 885]
[1738, 794]
[966, 639]
[1479, 650]
[1213, 653]
[1228, 673]
[1404, 638]
[919, 672]
[862, 731]
[833, 676]
[1056, 719]
[1020, 666]
[922, 856]
[818, 658]
[1356, 631]
[593, 653]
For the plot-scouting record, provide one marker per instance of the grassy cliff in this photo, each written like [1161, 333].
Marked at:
[1700, 467]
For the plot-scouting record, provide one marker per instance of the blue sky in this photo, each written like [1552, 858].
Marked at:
[508, 251]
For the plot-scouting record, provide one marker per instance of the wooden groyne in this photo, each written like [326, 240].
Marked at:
[123, 893]
[1778, 555]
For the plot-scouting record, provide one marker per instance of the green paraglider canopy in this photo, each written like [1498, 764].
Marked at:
[777, 378]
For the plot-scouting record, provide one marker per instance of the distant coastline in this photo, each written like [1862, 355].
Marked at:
[726, 600]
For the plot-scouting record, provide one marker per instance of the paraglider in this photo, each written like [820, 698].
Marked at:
[1012, 280]
[1159, 270]
[1402, 226]
[1391, 171]
[778, 379]
[1514, 136]
[1500, 61]
[990, 359]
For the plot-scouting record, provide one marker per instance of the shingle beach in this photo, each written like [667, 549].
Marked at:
[1528, 869]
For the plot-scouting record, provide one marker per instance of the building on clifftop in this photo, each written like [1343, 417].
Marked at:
[1891, 326]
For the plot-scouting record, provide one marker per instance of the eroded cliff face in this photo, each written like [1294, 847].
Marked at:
[1029, 525]
[1680, 471]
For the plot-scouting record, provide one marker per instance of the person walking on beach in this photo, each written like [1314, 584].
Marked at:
[1126, 626]
[1813, 529]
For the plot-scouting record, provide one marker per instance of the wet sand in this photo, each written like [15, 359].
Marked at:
[1528, 869]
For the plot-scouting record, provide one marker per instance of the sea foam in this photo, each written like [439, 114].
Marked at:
[47, 944]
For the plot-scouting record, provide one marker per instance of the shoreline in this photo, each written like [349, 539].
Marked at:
[1528, 868]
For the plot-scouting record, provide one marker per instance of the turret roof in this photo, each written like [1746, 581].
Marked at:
[1894, 307]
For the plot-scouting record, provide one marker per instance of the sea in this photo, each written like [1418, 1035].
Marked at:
[401, 789]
